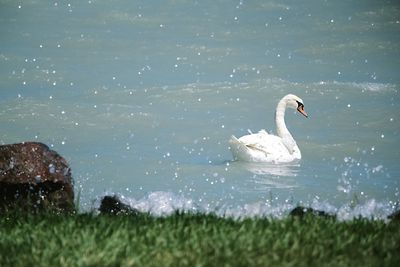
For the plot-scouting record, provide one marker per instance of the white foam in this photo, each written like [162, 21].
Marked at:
[158, 203]
[371, 209]
[256, 210]
[161, 203]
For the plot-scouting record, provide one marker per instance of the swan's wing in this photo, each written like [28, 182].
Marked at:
[272, 144]
[256, 147]
[263, 147]
[263, 141]
[245, 152]
[259, 148]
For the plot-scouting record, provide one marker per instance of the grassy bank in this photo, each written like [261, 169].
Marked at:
[195, 240]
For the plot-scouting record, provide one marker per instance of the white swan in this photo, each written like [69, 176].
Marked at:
[265, 147]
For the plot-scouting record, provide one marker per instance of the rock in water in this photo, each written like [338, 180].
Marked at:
[302, 212]
[112, 205]
[34, 177]
[395, 216]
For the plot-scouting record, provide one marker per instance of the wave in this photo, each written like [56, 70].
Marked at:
[367, 86]
[162, 203]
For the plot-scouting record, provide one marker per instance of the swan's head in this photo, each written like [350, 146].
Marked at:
[295, 102]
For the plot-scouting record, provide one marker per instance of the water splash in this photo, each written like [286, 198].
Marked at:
[161, 203]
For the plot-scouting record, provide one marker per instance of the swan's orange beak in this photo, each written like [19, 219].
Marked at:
[301, 110]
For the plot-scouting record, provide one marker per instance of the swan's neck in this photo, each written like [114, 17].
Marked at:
[281, 128]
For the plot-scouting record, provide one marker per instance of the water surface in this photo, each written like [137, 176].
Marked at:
[141, 98]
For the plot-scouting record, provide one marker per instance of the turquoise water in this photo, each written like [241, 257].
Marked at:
[141, 98]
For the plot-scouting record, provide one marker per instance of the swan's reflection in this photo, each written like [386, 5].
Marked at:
[271, 169]
[269, 175]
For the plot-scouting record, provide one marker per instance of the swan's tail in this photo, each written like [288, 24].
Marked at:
[239, 150]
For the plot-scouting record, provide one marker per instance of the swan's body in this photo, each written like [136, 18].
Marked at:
[265, 147]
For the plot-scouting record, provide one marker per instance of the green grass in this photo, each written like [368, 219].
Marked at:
[194, 240]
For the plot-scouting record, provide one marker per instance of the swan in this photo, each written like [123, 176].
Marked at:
[265, 147]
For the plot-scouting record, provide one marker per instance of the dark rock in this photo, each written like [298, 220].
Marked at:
[303, 212]
[395, 216]
[34, 177]
[113, 205]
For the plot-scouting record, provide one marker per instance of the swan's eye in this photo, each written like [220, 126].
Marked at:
[299, 104]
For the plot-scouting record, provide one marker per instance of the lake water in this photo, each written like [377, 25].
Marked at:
[141, 98]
